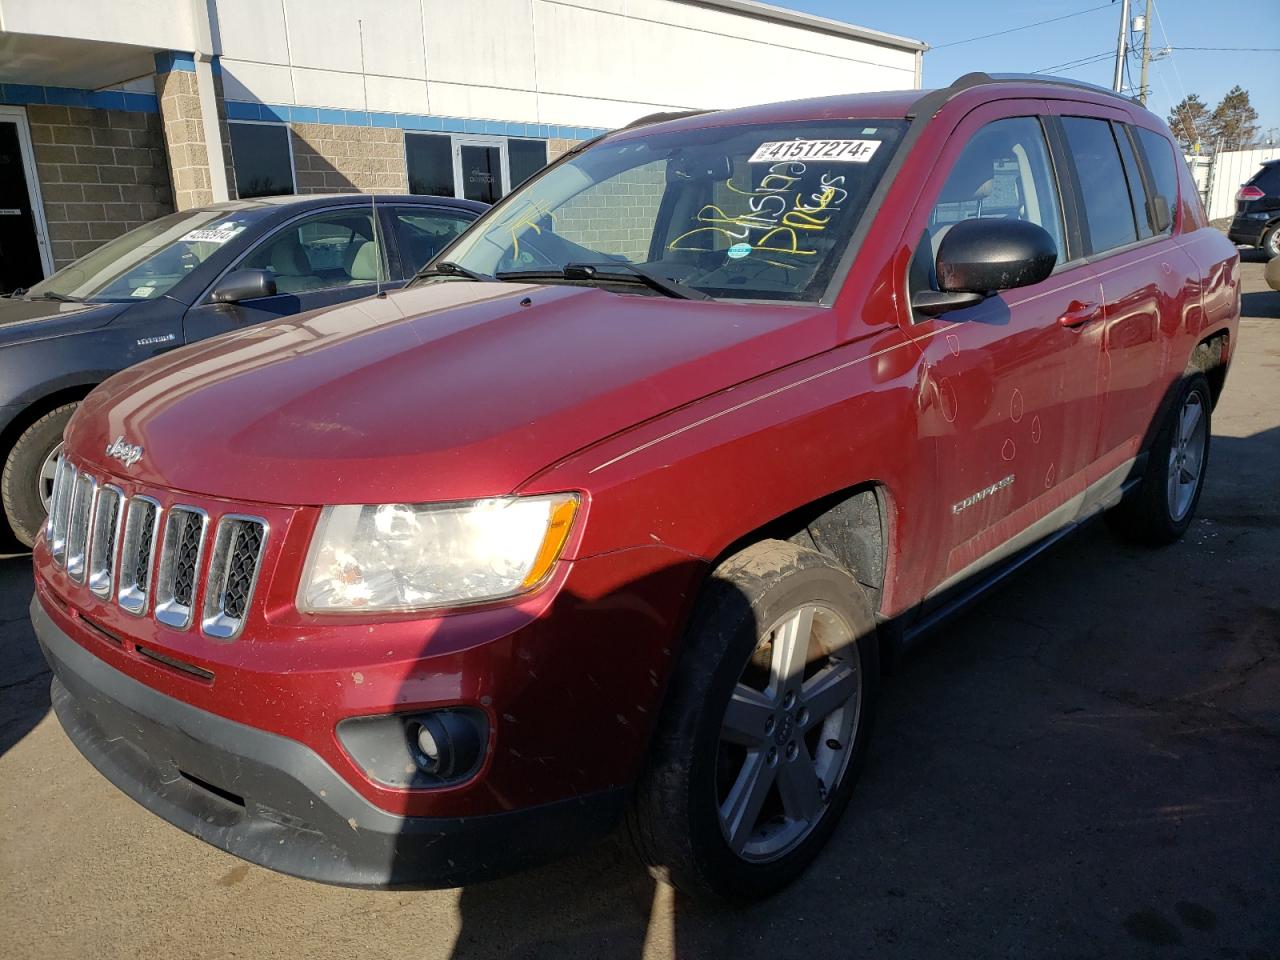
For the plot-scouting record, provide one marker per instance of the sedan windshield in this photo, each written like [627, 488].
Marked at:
[147, 262]
[751, 211]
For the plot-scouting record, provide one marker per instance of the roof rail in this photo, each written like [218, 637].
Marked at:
[978, 77]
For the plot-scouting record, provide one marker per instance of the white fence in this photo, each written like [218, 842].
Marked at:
[1219, 177]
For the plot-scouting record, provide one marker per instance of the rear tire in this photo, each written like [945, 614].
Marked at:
[735, 805]
[22, 480]
[1271, 242]
[1162, 508]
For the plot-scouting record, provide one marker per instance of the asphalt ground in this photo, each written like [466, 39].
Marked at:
[1087, 764]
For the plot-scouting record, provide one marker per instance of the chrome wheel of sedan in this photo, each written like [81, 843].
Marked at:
[788, 733]
[1186, 456]
[48, 468]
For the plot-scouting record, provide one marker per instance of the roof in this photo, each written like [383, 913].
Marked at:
[765, 11]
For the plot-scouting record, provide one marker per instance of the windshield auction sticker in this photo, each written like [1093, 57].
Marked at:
[219, 234]
[832, 151]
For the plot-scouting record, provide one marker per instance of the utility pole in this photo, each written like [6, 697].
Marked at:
[1143, 89]
[1122, 46]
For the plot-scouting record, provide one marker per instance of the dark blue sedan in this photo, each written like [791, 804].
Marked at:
[182, 278]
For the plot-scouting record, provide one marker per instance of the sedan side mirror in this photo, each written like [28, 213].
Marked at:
[244, 285]
[979, 257]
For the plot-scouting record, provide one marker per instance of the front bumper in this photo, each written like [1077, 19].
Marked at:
[274, 801]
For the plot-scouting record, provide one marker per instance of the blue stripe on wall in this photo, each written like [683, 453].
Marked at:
[281, 113]
[25, 94]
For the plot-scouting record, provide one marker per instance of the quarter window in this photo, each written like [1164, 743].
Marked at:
[334, 249]
[262, 158]
[1164, 172]
[1104, 191]
[1137, 190]
[421, 234]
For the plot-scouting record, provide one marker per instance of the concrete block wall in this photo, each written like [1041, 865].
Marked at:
[184, 137]
[335, 158]
[102, 172]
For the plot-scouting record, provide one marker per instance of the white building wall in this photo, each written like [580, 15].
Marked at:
[591, 63]
[1225, 172]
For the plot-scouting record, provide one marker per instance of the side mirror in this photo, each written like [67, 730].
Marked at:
[1161, 218]
[244, 285]
[979, 257]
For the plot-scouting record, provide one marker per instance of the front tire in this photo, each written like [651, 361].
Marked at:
[1161, 509]
[26, 483]
[765, 728]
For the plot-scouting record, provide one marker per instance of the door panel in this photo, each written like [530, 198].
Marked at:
[1012, 393]
[21, 265]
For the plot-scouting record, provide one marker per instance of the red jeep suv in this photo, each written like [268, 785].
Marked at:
[616, 510]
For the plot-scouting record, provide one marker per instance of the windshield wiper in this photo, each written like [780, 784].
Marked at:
[447, 268]
[620, 271]
[60, 297]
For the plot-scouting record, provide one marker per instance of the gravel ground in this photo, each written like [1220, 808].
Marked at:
[1085, 765]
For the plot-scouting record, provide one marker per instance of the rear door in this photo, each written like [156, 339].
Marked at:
[318, 260]
[1145, 278]
[1013, 381]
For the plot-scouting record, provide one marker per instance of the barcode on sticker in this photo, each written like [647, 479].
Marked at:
[838, 151]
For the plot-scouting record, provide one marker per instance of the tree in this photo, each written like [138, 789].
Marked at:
[1234, 120]
[1191, 123]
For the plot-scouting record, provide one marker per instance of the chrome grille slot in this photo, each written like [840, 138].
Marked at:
[180, 555]
[59, 508]
[83, 491]
[107, 517]
[233, 573]
[137, 554]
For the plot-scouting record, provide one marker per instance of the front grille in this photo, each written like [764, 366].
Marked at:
[237, 552]
[84, 490]
[179, 565]
[102, 541]
[151, 558]
[137, 554]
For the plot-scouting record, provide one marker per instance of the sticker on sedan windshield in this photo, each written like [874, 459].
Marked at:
[739, 250]
[219, 234]
[837, 151]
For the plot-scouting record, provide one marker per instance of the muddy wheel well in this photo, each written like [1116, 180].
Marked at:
[1207, 358]
[850, 526]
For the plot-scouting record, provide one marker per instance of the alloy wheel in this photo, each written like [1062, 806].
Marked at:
[788, 733]
[45, 478]
[1186, 456]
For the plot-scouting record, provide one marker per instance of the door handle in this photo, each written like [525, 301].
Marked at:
[1078, 314]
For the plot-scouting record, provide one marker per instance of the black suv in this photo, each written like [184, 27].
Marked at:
[1257, 219]
[185, 277]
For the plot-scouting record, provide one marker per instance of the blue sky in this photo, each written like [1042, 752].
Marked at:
[1188, 23]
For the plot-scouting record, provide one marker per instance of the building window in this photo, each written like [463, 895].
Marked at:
[263, 159]
[527, 158]
[430, 161]
[476, 167]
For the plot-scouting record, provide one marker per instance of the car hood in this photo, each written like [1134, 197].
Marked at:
[449, 390]
[35, 319]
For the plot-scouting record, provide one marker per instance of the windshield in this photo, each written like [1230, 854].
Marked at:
[753, 211]
[147, 262]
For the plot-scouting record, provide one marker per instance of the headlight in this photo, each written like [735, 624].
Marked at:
[413, 556]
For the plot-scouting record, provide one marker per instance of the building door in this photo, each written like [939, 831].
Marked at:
[480, 167]
[24, 253]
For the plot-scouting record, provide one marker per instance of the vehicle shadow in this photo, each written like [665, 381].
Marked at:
[24, 675]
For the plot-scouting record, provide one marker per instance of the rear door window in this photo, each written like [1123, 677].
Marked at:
[1137, 189]
[1108, 211]
[422, 232]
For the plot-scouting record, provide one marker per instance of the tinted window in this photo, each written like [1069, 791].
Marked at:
[1004, 172]
[1137, 191]
[1105, 193]
[332, 249]
[421, 234]
[1164, 171]
[1268, 180]
[263, 163]
[526, 157]
[430, 161]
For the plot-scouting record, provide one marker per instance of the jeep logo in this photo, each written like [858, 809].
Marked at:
[127, 453]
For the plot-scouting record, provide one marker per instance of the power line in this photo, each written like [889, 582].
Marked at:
[1025, 26]
[1232, 49]
[1176, 73]
[1078, 62]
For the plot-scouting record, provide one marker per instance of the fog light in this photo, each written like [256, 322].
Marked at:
[444, 743]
